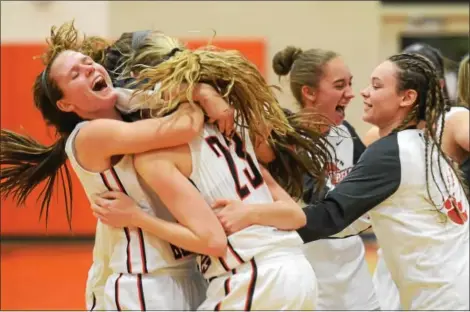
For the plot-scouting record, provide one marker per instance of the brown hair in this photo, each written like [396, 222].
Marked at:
[417, 73]
[305, 67]
[163, 59]
[25, 162]
[121, 51]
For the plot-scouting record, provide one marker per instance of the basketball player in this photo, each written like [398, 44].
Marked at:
[74, 88]
[454, 144]
[256, 256]
[189, 242]
[416, 201]
[320, 79]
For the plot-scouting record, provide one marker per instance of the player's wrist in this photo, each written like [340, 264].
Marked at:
[252, 215]
[137, 217]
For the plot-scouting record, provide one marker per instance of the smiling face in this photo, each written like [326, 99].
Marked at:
[333, 93]
[384, 104]
[86, 86]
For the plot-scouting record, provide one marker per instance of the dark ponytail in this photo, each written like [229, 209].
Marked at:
[26, 163]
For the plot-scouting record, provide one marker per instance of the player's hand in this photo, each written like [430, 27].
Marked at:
[218, 110]
[115, 209]
[233, 216]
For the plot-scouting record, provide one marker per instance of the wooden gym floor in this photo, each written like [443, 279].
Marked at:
[51, 275]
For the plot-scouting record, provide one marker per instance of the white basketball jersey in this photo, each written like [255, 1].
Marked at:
[342, 149]
[228, 169]
[425, 246]
[344, 281]
[131, 250]
[385, 286]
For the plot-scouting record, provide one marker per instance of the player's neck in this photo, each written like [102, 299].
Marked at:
[109, 114]
[386, 130]
[389, 127]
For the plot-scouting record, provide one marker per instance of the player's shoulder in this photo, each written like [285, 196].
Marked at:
[457, 116]
[457, 109]
[383, 149]
[371, 136]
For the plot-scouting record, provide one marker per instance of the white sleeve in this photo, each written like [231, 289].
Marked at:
[99, 271]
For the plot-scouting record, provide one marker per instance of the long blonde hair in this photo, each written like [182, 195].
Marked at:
[163, 59]
[464, 82]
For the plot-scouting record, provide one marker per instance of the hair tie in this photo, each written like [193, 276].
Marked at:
[169, 55]
[172, 53]
[44, 84]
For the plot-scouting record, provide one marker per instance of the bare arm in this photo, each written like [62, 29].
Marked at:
[284, 213]
[119, 210]
[103, 138]
[208, 98]
[183, 200]
[459, 124]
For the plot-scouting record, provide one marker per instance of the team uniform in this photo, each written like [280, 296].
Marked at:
[385, 287]
[131, 269]
[424, 246]
[344, 281]
[264, 268]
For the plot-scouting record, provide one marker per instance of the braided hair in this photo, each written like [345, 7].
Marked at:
[417, 73]
[437, 59]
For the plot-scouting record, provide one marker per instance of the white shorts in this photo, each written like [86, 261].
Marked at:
[344, 280]
[385, 287]
[279, 280]
[168, 291]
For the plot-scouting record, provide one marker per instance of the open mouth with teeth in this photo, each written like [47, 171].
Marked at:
[99, 85]
[340, 110]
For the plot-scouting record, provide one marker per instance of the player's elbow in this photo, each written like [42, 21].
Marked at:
[216, 246]
[294, 216]
[212, 237]
[298, 217]
[190, 121]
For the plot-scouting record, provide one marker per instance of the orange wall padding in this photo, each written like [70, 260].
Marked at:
[18, 71]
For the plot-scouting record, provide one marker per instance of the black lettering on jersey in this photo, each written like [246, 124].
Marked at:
[179, 253]
[255, 178]
[205, 264]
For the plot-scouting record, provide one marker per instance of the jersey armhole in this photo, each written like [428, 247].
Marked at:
[195, 147]
[70, 148]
